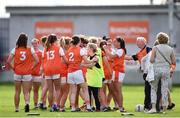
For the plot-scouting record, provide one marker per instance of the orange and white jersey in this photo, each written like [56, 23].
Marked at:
[36, 70]
[23, 60]
[105, 67]
[64, 67]
[118, 61]
[52, 60]
[110, 60]
[75, 58]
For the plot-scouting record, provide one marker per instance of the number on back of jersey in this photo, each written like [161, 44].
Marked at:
[71, 56]
[50, 55]
[23, 55]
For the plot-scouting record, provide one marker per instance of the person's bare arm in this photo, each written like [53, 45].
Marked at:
[173, 65]
[153, 54]
[90, 65]
[127, 57]
[65, 59]
[107, 64]
[173, 58]
[41, 68]
[36, 60]
[9, 61]
[108, 52]
[87, 61]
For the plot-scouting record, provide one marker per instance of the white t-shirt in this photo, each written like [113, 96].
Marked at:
[118, 52]
[83, 51]
[145, 62]
[61, 52]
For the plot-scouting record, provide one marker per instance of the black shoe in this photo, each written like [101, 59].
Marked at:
[93, 108]
[54, 108]
[78, 109]
[89, 110]
[122, 110]
[171, 106]
[27, 108]
[40, 105]
[115, 108]
[17, 110]
[62, 110]
[35, 108]
[105, 109]
[109, 108]
[73, 110]
[44, 108]
[51, 110]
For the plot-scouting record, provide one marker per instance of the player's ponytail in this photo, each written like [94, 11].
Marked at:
[51, 39]
[62, 42]
[122, 43]
[102, 43]
[47, 44]
[22, 40]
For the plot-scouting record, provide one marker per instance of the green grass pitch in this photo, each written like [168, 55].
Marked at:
[133, 94]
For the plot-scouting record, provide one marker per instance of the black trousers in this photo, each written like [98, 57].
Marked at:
[95, 92]
[147, 93]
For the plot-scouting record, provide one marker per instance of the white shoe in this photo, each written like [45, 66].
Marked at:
[146, 110]
[151, 111]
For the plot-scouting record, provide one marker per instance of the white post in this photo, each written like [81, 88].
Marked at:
[151, 2]
[171, 15]
[171, 34]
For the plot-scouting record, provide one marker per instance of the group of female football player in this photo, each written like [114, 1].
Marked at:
[68, 68]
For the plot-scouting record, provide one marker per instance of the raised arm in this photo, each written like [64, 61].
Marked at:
[108, 52]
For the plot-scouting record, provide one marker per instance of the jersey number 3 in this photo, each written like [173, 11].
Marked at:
[23, 55]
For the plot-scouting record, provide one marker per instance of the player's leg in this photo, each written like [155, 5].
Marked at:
[36, 86]
[50, 91]
[81, 82]
[103, 99]
[42, 104]
[117, 93]
[65, 91]
[17, 95]
[26, 86]
[56, 83]
[95, 92]
[77, 98]
[119, 96]
[61, 92]
[73, 89]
